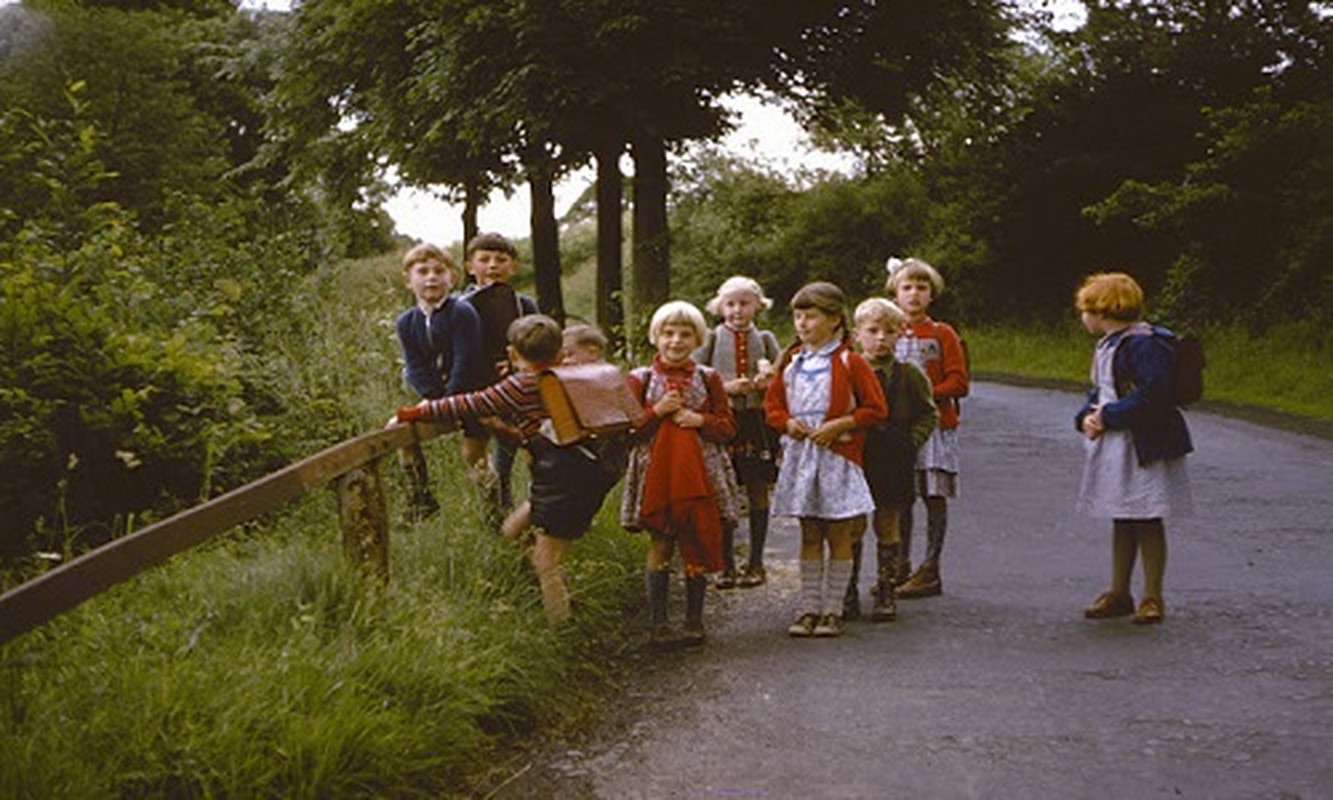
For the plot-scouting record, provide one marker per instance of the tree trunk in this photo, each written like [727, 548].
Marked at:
[471, 202]
[651, 263]
[610, 246]
[546, 242]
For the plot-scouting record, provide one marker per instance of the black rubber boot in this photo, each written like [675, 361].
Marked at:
[658, 584]
[885, 606]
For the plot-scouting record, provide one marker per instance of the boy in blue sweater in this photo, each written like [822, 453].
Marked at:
[442, 354]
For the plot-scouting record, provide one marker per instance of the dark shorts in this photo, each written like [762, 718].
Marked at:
[890, 466]
[473, 429]
[568, 486]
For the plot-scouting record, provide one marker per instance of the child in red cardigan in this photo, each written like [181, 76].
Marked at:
[680, 486]
[824, 400]
[936, 348]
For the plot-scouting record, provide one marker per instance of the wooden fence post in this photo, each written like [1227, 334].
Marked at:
[365, 520]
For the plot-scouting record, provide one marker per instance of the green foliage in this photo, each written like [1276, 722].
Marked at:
[731, 217]
[113, 405]
[154, 252]
[266, 665]
[1184, 141]
[1287, 368]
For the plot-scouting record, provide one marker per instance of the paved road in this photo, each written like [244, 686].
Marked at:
[999, 688]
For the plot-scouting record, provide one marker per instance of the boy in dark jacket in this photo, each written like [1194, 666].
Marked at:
[891, 448]
[442, 354]
[569, 482]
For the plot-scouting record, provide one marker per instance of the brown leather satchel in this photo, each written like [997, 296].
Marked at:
[588, 400]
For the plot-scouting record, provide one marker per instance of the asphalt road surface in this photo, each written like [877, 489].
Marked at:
[999, 688]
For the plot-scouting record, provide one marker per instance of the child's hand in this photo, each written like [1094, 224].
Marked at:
[413, 413]
[796, 429]
[738, 385]
[686, 418]
[669, 404]
[832, 430]
[1093, 425]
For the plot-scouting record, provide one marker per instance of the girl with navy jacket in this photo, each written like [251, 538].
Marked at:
[1136, 442]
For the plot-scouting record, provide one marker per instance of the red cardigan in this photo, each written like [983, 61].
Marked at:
[854, 390]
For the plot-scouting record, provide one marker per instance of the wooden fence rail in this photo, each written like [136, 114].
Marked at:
[353, 463]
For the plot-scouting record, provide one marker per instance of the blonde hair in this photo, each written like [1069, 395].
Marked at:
[915, 269]
[733, 285]
[877, 309]
[1113, 295]
[426, 252]
[678, 312]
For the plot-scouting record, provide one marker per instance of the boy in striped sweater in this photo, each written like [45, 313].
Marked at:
[569, 482]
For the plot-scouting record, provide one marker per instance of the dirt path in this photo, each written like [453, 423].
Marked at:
[999, 688]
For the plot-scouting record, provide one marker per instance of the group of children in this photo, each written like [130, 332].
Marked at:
[851, 421]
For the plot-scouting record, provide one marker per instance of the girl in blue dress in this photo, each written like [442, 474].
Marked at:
[824, 399]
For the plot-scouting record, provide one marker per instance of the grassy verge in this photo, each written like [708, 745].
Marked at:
[263, 664]
[1284, 377]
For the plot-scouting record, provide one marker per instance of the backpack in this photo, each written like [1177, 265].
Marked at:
[587, 401]
[1190, 363]
[1187, 366]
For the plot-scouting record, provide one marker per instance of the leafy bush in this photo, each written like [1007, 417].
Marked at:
[732, 217]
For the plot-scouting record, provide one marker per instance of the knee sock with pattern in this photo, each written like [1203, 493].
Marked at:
[839, 576]
[812, 585]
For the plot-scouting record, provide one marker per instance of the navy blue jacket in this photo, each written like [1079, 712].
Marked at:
[1144, 370]
[449, 359]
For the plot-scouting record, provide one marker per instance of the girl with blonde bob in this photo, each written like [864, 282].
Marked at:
[679, 485]
[1136, 441]
[745, 356]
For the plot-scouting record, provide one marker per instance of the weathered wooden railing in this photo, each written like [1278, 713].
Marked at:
[353, 464]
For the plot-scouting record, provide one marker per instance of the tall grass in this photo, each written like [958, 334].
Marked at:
[264, 664]
[1286, 369]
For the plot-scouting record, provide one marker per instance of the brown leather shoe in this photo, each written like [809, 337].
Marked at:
[1151, 611]
[752, 577]
[925, 582]
[1110, 604]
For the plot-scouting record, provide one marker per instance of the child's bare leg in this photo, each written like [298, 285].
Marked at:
[547, 555]
[484, 477]
[516, 524]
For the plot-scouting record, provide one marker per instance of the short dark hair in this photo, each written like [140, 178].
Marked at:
[537, 338]
[494, 242]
